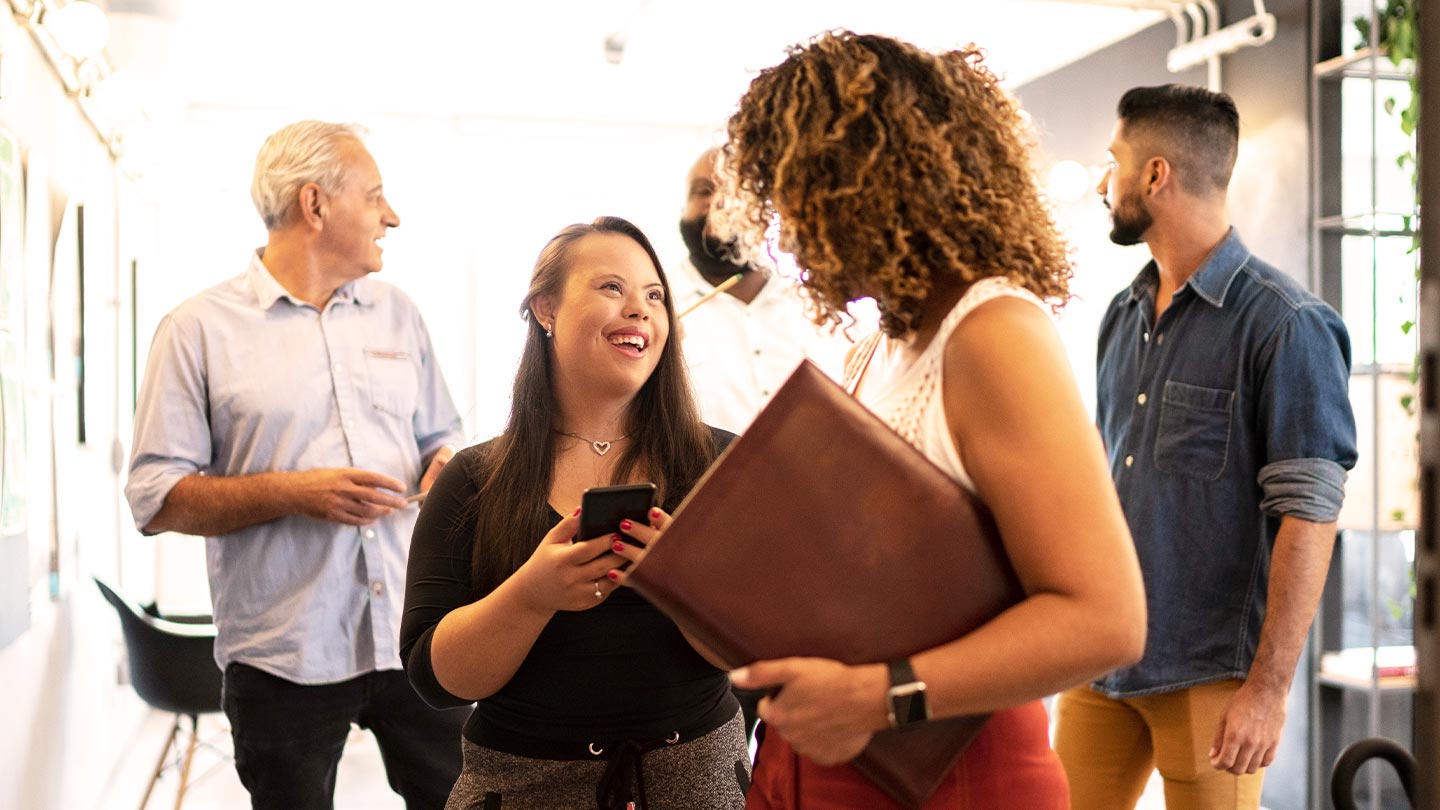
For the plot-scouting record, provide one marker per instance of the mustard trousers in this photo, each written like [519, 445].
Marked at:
[1109, 748]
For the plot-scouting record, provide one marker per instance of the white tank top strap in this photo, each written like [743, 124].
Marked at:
[914, 405]
[859, 360]
[986, 289]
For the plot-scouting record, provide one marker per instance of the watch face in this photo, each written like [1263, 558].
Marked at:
[907, 704]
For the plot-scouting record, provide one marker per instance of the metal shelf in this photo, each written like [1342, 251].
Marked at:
[1363, 64]
[1369, 223]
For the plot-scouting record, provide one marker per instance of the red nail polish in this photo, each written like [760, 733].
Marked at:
[613, 575]
[655, 513]
[577, 512]
[626, 525]
[617, 546]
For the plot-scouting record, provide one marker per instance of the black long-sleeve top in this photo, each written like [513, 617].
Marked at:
[620, 670]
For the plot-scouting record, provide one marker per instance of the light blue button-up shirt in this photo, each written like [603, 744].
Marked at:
[245, 378]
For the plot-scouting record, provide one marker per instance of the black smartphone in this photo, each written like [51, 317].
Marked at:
[602, 509]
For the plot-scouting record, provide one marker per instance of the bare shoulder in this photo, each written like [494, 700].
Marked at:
[1006, 332]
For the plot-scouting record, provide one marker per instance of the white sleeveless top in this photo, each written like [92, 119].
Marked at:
[909, 395]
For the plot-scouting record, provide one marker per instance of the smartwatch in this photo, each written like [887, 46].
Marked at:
[905, 698]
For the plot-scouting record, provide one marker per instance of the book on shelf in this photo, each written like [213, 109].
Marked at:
[1355, 663]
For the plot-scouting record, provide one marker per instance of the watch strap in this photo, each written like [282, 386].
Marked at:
[905, 699]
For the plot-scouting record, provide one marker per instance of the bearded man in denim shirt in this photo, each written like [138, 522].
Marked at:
[1224, 407]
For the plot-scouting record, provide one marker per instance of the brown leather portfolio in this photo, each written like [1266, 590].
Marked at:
[821, 532]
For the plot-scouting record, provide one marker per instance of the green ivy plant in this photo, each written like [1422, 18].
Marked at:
[1399, 38]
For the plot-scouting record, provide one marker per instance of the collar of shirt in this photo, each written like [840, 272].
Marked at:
[267, 290]
[1211, 281]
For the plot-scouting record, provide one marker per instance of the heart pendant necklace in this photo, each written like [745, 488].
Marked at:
[600, 448]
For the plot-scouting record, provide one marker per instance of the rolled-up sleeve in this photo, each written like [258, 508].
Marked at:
[172, 431]
[1305, 408]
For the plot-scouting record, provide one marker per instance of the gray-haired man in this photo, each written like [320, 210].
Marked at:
[285, 414]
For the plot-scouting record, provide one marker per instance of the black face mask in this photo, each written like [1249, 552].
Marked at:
[708, 253]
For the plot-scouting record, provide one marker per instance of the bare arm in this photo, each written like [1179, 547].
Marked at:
[211, 505]
[1249, 732]
[1037, 461]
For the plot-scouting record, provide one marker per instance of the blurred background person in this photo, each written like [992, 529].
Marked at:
[741, 344]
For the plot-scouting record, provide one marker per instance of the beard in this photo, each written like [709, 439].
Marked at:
[710, 256]
[1129, 220]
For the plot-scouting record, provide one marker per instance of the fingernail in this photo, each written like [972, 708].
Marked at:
[626, 525]
[617, 546]
[739, 674]
[655, 513]
[613, 575]
[576, 513]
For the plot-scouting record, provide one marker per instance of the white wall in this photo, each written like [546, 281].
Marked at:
[68, 713]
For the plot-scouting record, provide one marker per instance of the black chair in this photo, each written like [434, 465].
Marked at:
[172, 667]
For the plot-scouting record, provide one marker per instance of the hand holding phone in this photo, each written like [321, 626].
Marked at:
[602, 508]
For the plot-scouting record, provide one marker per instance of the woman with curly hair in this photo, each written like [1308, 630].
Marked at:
[904, 176]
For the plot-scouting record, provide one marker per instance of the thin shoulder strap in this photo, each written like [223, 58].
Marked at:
[859, 361]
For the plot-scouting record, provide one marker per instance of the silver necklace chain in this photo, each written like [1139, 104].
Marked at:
[600, 448]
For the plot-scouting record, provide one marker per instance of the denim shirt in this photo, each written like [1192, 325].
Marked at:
[1229, 413]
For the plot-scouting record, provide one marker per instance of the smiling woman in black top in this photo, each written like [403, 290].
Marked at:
[587, 694]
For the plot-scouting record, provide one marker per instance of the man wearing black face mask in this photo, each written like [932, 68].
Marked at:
[742, 344]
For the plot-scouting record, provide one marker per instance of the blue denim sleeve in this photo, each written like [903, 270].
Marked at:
[1303, 409]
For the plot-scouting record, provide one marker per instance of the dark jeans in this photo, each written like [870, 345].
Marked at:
[289, 737]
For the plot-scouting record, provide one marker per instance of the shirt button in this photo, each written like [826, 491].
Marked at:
[349, 423]
[377, 588]
[339, 368]
[757, 352]
[369, 534]
[1140, 399]
[1129, 461]
[1145, 337]
[1159, 339]
[765, 392]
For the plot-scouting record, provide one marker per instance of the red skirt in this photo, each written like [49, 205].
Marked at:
[1009, 765]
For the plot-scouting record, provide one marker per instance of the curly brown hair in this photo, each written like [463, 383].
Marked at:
[890, 168]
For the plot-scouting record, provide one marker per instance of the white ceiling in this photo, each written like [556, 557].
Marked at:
[685, 63]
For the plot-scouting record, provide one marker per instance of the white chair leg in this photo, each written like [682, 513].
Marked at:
[189, 757]
[160, 765]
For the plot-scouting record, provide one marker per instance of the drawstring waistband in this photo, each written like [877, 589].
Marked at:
[626, 770]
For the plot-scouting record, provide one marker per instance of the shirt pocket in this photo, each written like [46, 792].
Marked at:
[1194, 435]
[394, 384]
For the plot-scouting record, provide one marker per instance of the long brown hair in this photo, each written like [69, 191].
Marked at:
[514, 471]
[890, 168]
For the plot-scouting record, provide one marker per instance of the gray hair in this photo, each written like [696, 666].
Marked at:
[303, 152]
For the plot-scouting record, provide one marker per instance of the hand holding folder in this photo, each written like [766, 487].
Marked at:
[821, 532]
